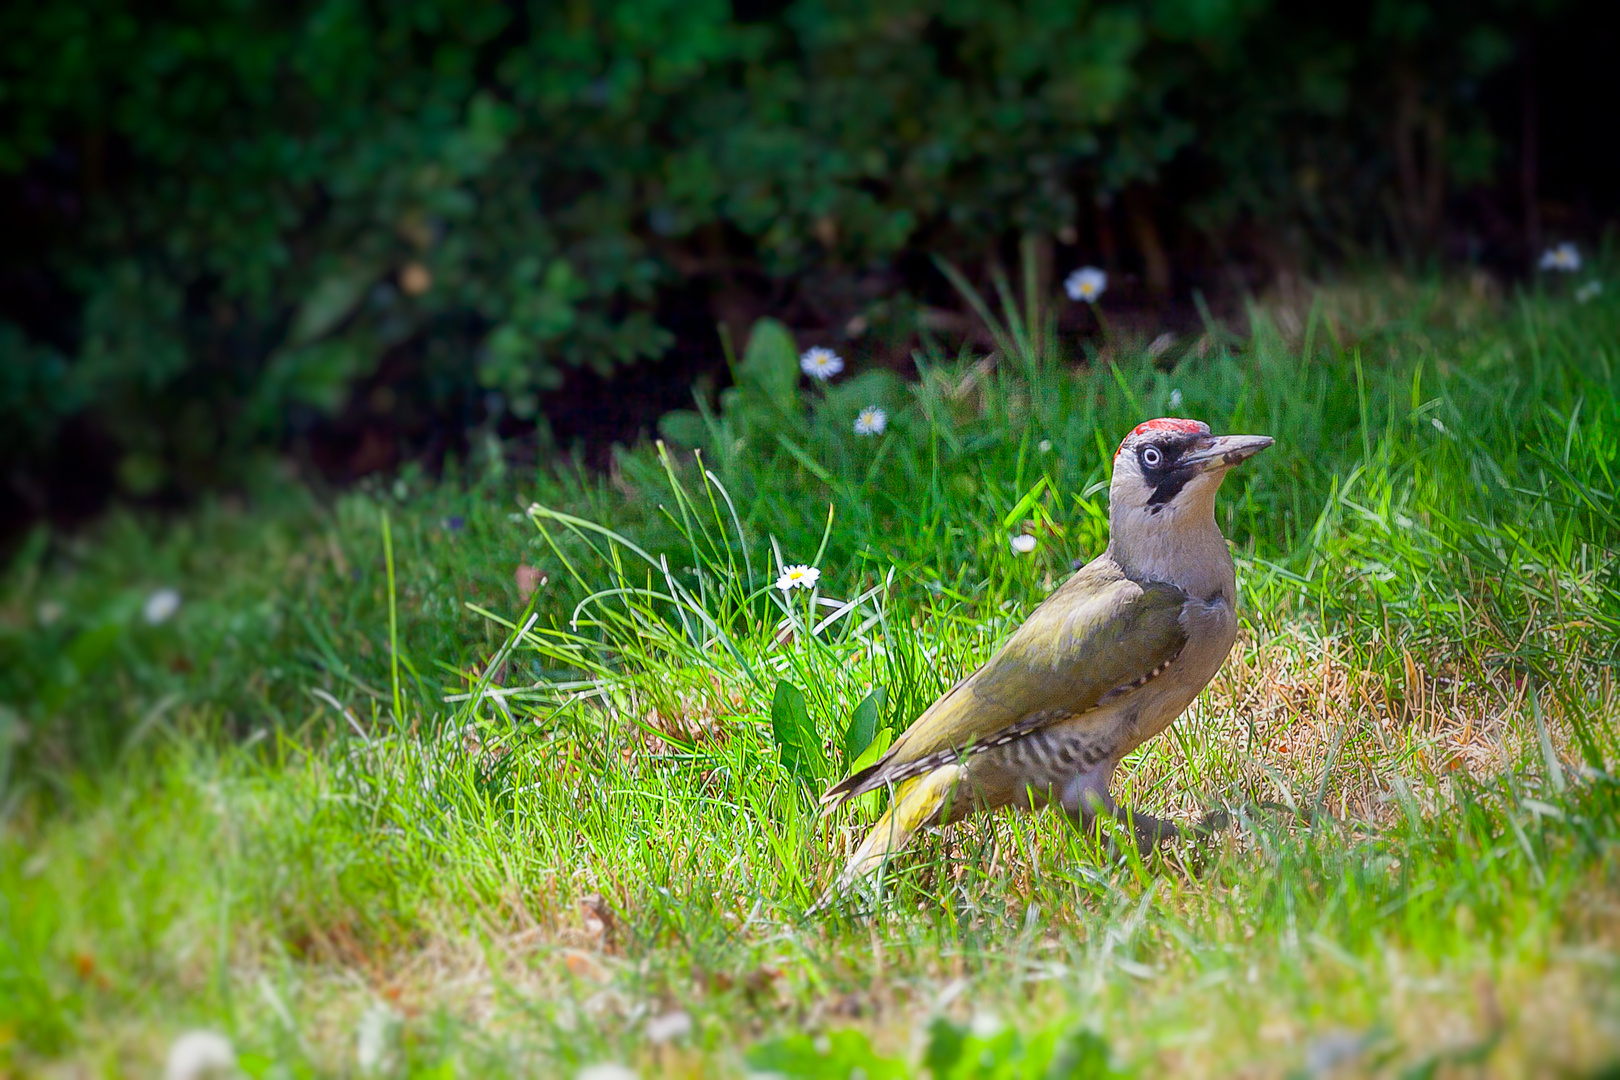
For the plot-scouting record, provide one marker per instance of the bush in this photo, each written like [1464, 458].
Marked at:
[243, 209]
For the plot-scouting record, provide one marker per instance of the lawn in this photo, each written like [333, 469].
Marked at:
[516, 774]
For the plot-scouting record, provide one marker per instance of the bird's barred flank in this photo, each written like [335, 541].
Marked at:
[955, 755]
[1032, 723]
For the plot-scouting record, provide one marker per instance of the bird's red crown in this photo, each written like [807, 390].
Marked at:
[1165, 423]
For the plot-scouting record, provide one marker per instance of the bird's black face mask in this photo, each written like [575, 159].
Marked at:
[1167, 464]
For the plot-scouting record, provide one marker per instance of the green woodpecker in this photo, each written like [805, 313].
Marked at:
[1108, 661]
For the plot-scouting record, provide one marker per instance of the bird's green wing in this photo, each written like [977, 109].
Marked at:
[1099, 632]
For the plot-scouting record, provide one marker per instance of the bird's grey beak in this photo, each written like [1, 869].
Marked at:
[1224, 451]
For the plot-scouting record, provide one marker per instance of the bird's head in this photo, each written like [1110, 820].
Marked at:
[1166, 473]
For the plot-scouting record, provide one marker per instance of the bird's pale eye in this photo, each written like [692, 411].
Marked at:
[1151, 457]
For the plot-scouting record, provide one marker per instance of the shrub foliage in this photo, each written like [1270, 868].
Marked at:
[242, 209]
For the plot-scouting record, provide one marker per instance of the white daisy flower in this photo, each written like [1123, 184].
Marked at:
[1023, 544]
[161, 606]
[200, 1055]
[1565, 257]
[1045, 446]
[1086, 283]
[671, 1025]
[871, 421]
[820, 363]
[374, 1036]
[798, 577]
[611, 1070]
[1588, 292]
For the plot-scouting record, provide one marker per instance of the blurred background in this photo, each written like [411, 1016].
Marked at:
[319, 241]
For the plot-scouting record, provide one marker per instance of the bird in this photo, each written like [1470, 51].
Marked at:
[1106, 662]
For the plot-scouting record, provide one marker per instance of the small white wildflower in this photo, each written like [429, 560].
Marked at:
[1086, 283]
[1175, 399]
[798, 577]
[986, 1025]
[1565, 257]
[1589, 292]
[609, 1070]
[373, 1037]
[1045, 447]
[1023, 544]
[820, 363]
[871, 421]
[161, 606]
[200, 1055]
[672, 1025]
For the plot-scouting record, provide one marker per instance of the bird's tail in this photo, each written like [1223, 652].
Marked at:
[916, 802]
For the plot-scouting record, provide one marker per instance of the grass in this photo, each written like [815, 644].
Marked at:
[436, 829]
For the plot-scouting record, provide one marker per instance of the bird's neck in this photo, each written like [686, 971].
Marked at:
[1186, 550]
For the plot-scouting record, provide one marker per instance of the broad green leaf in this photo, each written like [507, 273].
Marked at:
[771, 364]
[1082, 1054]
[793, 730]
[319, 374]
[838, 1055]
[1053, 1052]
[879, 387]
[329, 303]
[863, 723]
[944, 1049]
[87, 650]
[869, 803]
[874, 750]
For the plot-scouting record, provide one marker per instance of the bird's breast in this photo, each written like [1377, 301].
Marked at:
[1211, 629]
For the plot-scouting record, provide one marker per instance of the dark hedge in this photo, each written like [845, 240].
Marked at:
[225, 215]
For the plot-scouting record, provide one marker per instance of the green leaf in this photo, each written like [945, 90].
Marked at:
[770, 365]
[879, 387]
[838, 1055]
[318, 375]
[863, 723]
[255, 1065]
[86, 651]
[945, 1041]
[875, 750]
[329, 303]
[869, 803]
[1081, 1054]
[793, 730]
[1054, 1052]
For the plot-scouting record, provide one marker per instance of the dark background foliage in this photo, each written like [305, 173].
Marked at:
[364, 231]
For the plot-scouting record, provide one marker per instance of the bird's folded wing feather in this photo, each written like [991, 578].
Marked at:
[1099, 632]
